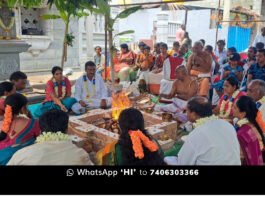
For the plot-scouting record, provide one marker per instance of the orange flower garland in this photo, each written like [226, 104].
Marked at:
[7, 119]
[138, 138]
[260, 121]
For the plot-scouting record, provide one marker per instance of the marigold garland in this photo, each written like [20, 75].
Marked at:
[138, 140]
[8, 116]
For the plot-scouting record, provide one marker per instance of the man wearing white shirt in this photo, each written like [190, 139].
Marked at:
[99, 60]
[260, 38]
[212, 142]
[90, 91]
[220, 52]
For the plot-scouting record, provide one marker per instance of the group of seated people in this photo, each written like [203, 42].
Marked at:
[157, 69]
[27, 141]
[231, 78]
[214, 141]
[22, 124]
[228, 132]
[146, 65]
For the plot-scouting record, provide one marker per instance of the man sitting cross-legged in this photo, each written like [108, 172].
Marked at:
[184, 88]
[90, 91]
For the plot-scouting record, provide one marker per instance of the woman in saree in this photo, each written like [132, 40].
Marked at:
[229, 98]
[58, 95]
[249, 134]
[53, 146]
[125, 68]
[18, 130]
[134, 147]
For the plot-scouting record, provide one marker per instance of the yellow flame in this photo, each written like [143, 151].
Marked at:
[120, 101]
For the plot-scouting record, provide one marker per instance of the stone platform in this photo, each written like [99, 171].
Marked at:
[96, 138]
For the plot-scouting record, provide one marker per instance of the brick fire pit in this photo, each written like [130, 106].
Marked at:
[90, 127]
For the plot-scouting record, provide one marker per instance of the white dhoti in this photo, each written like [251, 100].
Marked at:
[176, 109]
[142, 75]
[91, 104]
[166, 86]
[177, 106]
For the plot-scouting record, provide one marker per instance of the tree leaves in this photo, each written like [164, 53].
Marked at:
[50, 16]
[82, 14]
[125, 13]
[104, 7]
[124, 32]
[25, 3]
[69, 39]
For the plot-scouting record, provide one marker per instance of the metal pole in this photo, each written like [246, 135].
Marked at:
[106, 48]
[186, 18]
[217, 24]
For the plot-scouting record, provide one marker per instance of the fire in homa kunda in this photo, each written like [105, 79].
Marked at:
[99, 127]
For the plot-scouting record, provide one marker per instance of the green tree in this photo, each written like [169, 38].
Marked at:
[104, 8]
[66, 11]
[25, 3]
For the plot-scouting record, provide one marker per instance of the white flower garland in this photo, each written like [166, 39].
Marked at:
[56, 88]
[22, 116]
[88, 97]
[242, 122]
[230, 101]
[202, 121]
[50, 136]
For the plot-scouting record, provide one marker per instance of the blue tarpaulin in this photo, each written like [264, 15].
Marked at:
[239, 38]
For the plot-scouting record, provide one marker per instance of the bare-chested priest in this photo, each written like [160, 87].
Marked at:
[199, 65]
[184, 88]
